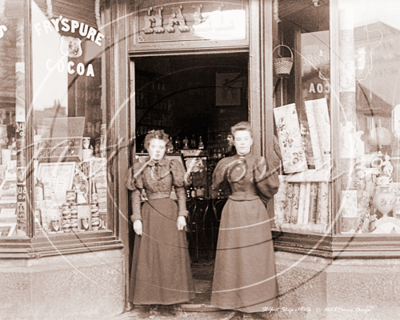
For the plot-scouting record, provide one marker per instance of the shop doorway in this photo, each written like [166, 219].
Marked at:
[195, 99]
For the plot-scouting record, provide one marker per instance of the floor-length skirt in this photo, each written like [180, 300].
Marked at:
[161, 271]
[244, 274]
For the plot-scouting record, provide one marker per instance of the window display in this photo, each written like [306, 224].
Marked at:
[69, 119]
[302, 118]
[369, 137]
[12, 121]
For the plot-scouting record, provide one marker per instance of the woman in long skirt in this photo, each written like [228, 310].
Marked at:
[244, 274]
[161, 272]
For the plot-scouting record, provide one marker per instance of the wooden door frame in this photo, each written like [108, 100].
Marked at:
[260, 85]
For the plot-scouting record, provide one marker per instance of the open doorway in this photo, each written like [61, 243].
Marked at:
[191, 95]
[195, 99]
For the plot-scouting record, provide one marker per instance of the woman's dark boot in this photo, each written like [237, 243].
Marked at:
[153, 310]
[168, 310]
[236, 315]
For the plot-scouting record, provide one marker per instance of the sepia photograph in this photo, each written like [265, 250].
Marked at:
[199, 159]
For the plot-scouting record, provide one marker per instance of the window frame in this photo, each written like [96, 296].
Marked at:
[31, 247]
[337, 245]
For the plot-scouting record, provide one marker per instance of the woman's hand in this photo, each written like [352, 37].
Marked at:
[181, 222]
[137, 227]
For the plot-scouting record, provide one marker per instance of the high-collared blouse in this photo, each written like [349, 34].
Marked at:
[157, 179]
[250, 177]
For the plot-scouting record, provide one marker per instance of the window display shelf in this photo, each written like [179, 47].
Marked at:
[306, 228]
[356, 246]
[322, 175]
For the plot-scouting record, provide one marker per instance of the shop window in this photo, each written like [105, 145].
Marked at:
[369, 117]
[301, 58]
[69, 118]
[12, 120]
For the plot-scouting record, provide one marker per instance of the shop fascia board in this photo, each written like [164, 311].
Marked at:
[58, 244]
[152, 50]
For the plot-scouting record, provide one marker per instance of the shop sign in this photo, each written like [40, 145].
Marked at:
[3, 29]
[319, 87]
[71, 34]
[188, 21]
[70, 67]
[70, 26]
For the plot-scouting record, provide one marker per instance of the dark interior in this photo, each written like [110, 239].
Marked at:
[178, 94]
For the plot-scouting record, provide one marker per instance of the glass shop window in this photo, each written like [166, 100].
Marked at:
[12, 120]
[70, 186]
[301, 58]
[370, 116]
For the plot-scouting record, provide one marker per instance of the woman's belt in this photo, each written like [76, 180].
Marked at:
[244, 196]
[158, 195]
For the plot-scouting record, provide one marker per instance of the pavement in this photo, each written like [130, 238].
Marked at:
[187, 315]
[184, 314]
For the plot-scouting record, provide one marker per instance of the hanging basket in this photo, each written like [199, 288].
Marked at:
[283, 65]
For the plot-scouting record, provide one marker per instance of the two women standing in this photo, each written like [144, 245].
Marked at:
[244, 275]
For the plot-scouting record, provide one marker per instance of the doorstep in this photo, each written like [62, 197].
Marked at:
[191, 307]
[202, 277]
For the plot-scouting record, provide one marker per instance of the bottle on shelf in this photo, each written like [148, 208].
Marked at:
[185, 143]
[193, 143]
[177, 143]
[39, 190]
[192, 191]
[201, 144]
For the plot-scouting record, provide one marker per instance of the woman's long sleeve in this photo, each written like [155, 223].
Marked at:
[135, 184]
[219, 173]
[266, 179]
[178, 176]
[136, 205]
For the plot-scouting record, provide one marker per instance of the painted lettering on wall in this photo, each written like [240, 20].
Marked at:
[154, 23]
[72, 26]
[3, 29]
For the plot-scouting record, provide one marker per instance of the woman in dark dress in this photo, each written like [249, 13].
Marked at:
[161, 272]
[244, 274]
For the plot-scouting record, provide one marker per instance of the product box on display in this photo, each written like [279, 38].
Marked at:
[61, 139]
[289, 136]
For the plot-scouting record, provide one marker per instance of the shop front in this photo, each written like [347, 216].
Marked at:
[83, 82]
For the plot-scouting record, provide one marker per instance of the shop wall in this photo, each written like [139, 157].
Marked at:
[117, 17]
[318, 288]
[80, 286]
